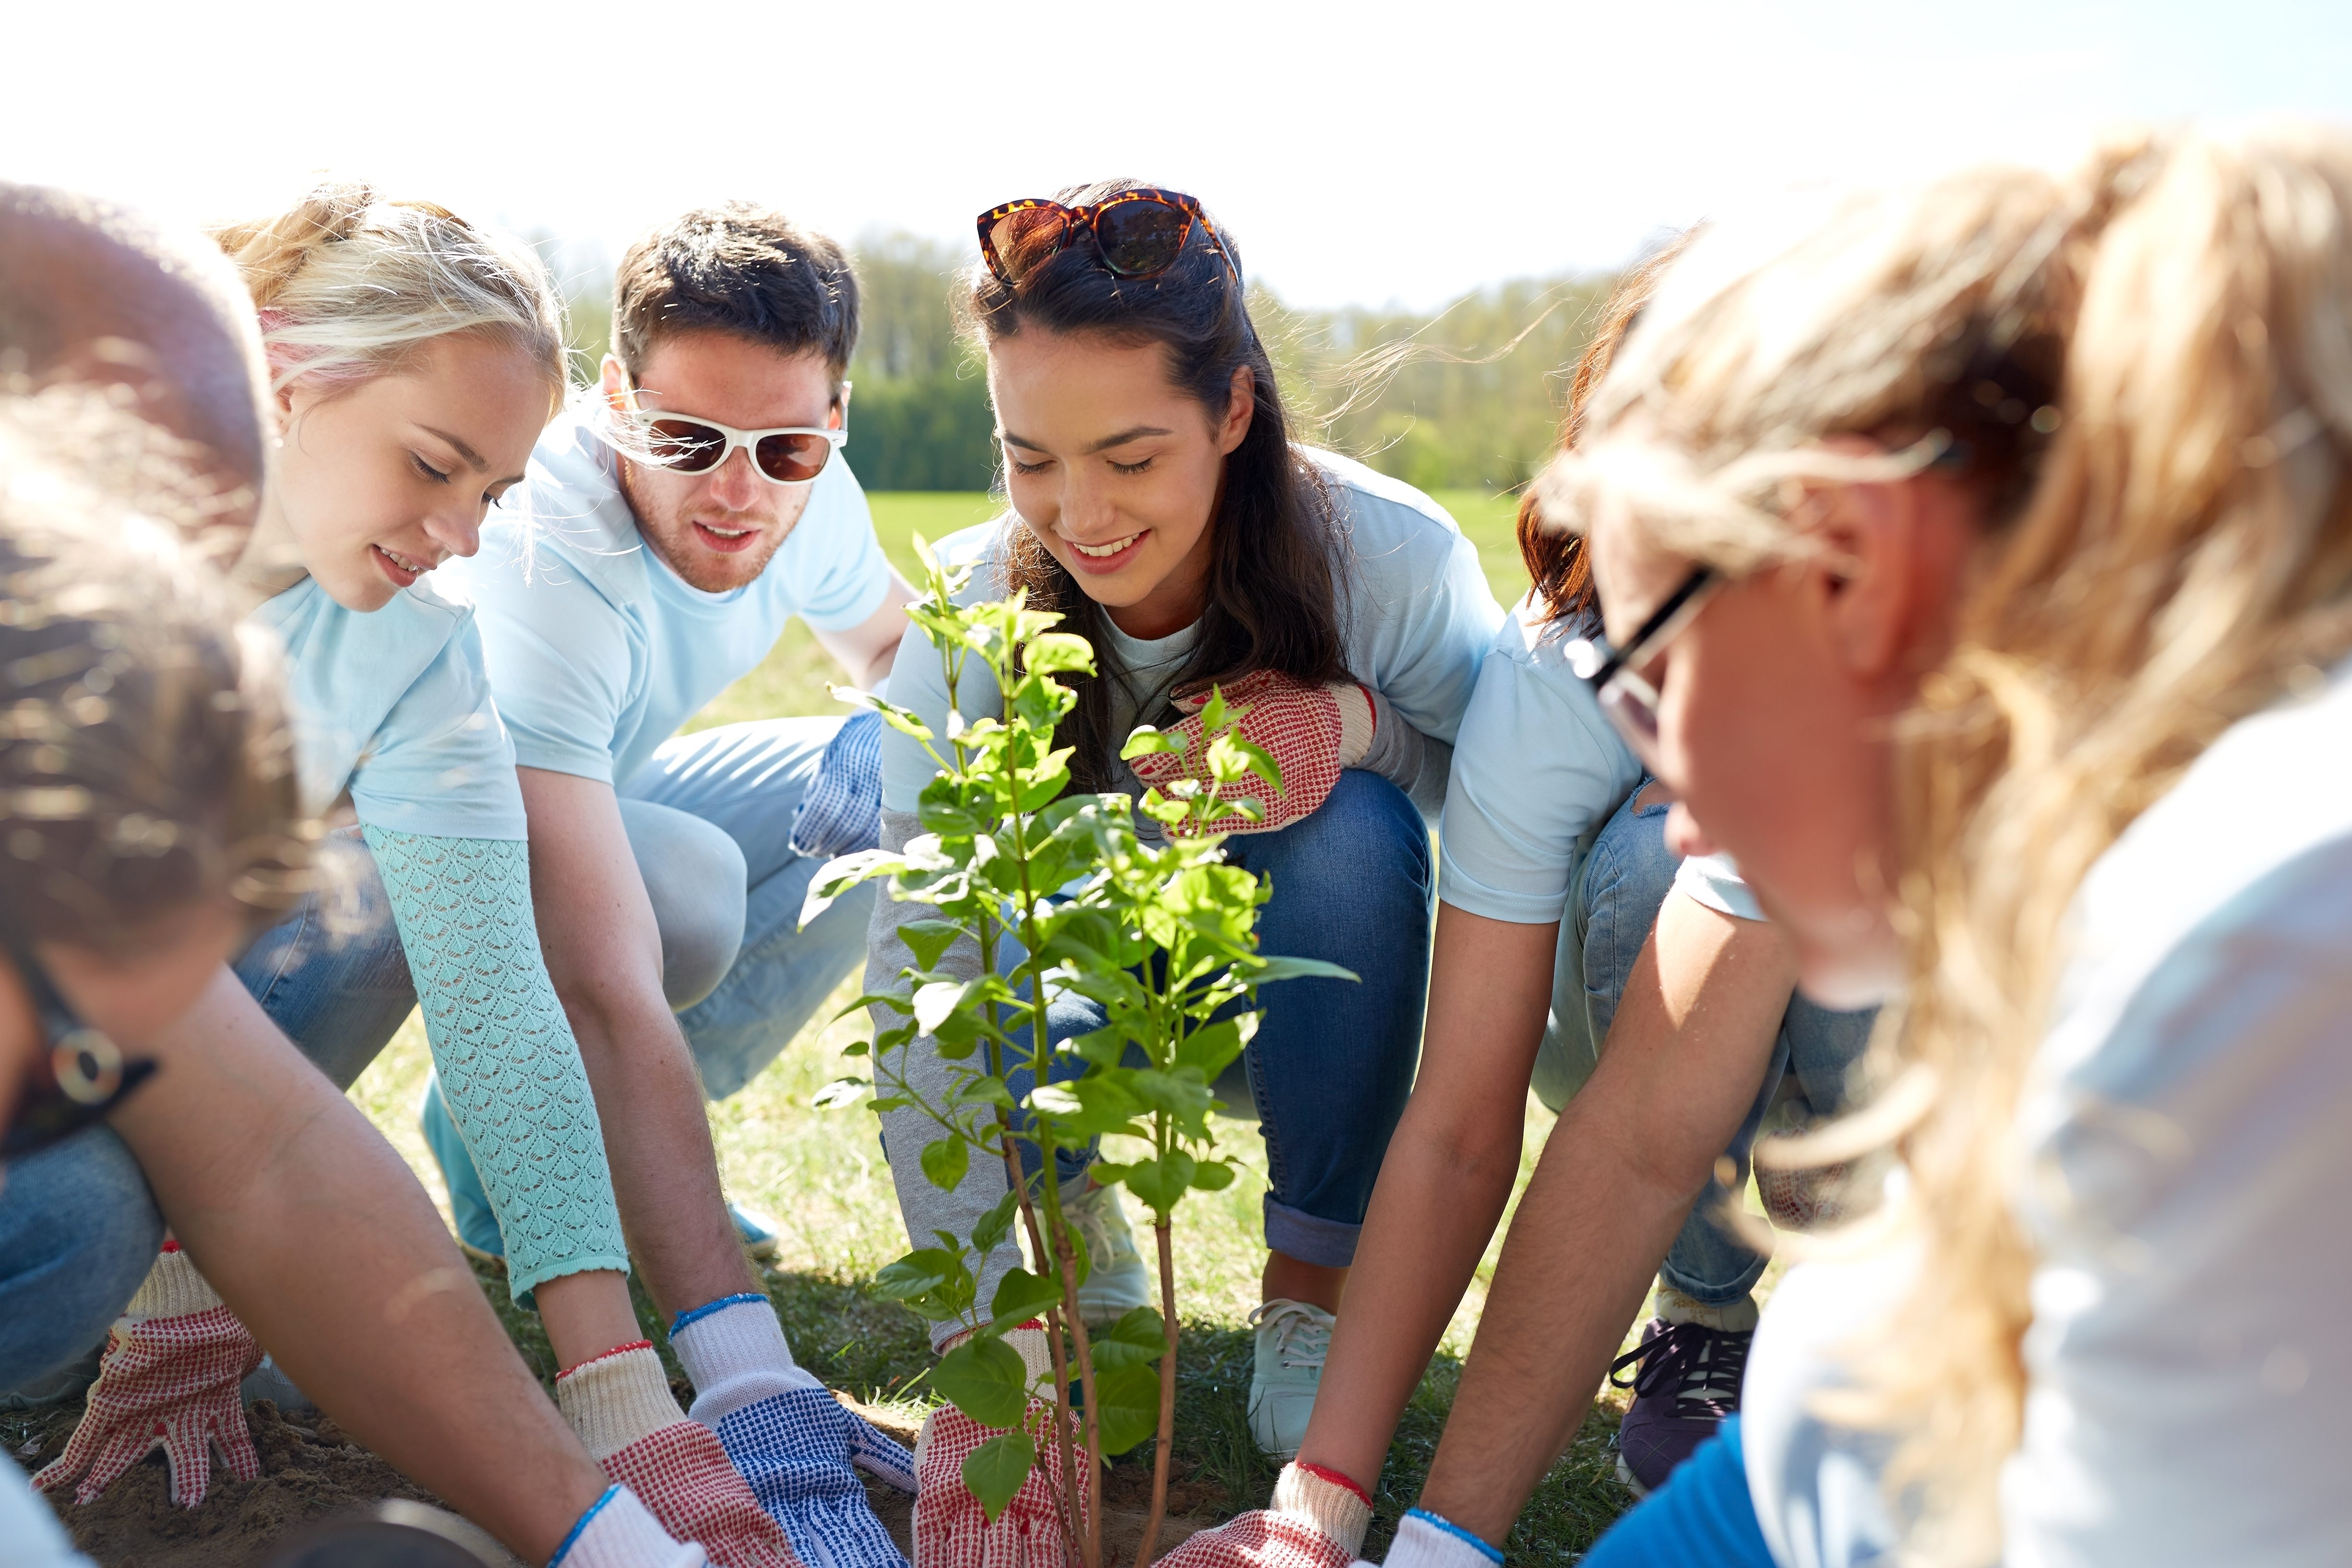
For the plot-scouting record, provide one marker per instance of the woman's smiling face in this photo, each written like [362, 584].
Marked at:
[1114, 467]
[381, 482]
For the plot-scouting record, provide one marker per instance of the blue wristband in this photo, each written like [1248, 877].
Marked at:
[720, 1305]
[581, 1523]
[1491, 1554]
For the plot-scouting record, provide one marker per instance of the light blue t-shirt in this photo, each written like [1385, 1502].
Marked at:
[1415, 616]
[1538, 771]
[393, 705]
[598, 649]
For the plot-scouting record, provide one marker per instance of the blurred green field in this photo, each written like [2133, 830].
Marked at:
[820, 1174]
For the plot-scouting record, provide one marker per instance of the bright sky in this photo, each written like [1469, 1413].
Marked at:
[1360, 152]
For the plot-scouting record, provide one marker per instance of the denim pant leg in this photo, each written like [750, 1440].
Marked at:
[1619, 890]
[1333, 1059]
[748, 781]
[332, 975]
[78, 1231]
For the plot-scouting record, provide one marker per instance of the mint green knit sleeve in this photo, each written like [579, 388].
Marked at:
[509, 1067]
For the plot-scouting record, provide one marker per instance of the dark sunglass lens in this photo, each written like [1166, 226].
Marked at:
[1026, 239]
[794, 459]
[685, 445]
[1141, 238]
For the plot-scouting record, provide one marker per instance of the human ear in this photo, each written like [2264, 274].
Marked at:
[614, 382]
[1240, 407]
[1869, 535]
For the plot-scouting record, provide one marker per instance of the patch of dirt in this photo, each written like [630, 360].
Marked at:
[309, 1470]
[1193, 1505]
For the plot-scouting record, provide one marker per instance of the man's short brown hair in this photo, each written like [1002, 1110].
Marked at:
[736, 268]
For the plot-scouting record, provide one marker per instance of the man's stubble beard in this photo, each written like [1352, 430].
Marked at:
[667, 536]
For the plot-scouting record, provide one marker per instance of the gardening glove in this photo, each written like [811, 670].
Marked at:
[1311, 731]
[617, 1532]
[1316, 1520]
[1809, 1199]
[621, 1406]
[951, 1529]
[788, 1436]
[1425, 1539]
[169, 1378]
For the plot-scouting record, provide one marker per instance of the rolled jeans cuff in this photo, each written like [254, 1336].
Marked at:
[1295, 1233]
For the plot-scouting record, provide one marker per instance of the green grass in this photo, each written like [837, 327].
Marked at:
[820, 1174]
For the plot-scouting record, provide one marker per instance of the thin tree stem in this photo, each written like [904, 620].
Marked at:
[1165, 1449]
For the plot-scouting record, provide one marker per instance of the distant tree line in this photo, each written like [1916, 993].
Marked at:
[1466, 397]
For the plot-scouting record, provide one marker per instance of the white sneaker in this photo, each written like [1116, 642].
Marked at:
[1116, 1281]
[1293, 1339]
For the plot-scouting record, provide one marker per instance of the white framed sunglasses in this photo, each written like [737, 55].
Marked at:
[785, 455]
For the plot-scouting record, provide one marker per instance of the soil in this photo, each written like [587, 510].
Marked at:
[311, 1470]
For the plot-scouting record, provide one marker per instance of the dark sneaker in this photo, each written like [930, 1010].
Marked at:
[1687, 1383]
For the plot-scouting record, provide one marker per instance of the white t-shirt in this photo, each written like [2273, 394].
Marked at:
[1537, 770]
[2182, 1168]
[1415, 618]
[598, 649]
[393, 704]
[31, 1533]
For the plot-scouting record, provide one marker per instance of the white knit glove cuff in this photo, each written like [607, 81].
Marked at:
[1358, 720]
[618, 1532]
[1425, 1541]
[734, 1354]
[173, 1290]
[1332, 1506]
[616, 1399]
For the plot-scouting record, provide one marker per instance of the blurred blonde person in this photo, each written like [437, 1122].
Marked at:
[2020, 503]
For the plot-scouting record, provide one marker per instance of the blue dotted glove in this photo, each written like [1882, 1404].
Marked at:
[842, 811]
[797, 1450]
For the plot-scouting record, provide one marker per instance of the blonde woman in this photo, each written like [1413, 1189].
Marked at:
[413, 360]
[2020, 503]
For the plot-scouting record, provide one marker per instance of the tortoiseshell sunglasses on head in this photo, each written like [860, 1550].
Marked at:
[1139, 233]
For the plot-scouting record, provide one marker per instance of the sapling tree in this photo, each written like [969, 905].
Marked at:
[1047, 893]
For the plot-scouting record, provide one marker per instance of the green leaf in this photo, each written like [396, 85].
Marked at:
[986, 1379]
[1127, 1405]
[997, 1223]
[895, 1001]
[928, 941]
[1021, 1296]
[1215, 713]
[1215, 1176]
[1210, 1048]
[1137, 1338]
[841, 1091]
[1159, 1185]
[1273, 968]
[946, 1161]
[1146, 741]
[931, 1280]
[1059, 651]
[994, 1472]
[1084, 1108]
[934, 1003]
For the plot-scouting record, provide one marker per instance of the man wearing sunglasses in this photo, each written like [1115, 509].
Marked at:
[659, 545]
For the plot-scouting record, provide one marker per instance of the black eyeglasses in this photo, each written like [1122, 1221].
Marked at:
[83, 1076]
[1628, 699]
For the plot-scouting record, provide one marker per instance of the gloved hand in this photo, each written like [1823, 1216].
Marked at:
[952, 1531]
[621, 1406]
[788, 1436]
[169, 1377]
[1316, 1520]
[618, 1532]
[1311, 731]
[1425, 1539]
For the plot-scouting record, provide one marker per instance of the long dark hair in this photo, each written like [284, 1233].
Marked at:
[1276, 551]
[1555, 558]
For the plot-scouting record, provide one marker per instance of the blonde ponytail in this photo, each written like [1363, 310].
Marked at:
[2179, 558]
[349, 284]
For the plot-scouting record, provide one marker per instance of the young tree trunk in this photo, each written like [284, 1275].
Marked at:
[1166, 1445]
[1065, 1495]
[1066, 1255]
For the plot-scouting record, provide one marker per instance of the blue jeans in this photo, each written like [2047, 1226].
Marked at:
[1620, 884]
[1332, 1062]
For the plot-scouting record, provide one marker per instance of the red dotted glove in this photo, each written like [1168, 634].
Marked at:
[952, 1531]
[169, 1378]
[1311, 731]
[1812, 1199]
[1316, 1520]
[621, 1405]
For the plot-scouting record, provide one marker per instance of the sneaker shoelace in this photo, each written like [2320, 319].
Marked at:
[1301, 1339]
[1702, 1365]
